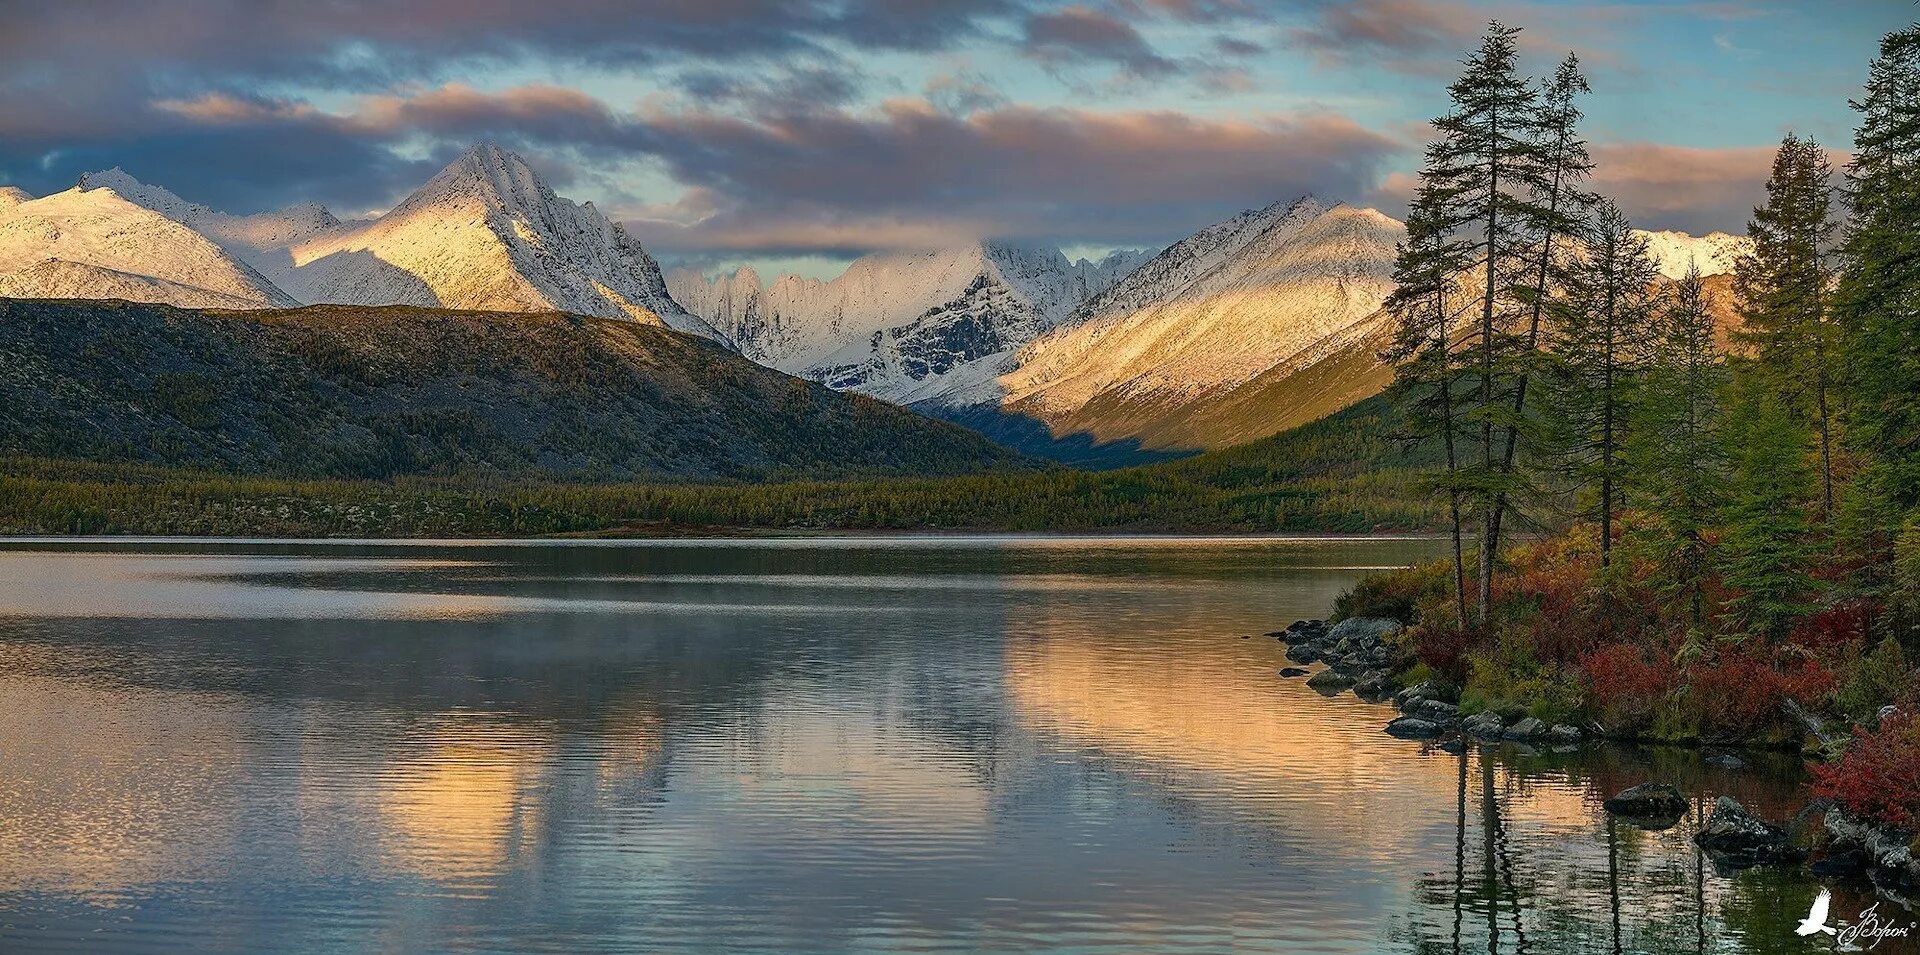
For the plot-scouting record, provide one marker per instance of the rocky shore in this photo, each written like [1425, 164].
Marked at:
[1360, 654]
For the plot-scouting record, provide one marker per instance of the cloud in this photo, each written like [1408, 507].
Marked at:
[1404, 35]
[1688, 188]
[851, 180]
[1080, 34]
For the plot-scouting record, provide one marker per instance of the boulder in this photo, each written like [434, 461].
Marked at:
[1302, 652]
[1737, 838]
[1374, 686]
[1436, 711]
[1484, 725]
[1526, 729]
[1365, 631]
[1648, 801]
[1561, 734]
[1427, 689]
[1293, 672]
[1330, 682]
[1413, 727]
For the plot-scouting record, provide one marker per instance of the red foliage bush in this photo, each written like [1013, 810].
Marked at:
[1879, 777]
[1443, 648]
[1832, 627]
[1627, 682]
[1741, 692]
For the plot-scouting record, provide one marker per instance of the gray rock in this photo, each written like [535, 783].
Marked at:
[1330, 682]
[1561, 734]
[1413, 727]
[1373, 687]
[1437, 711]
[1293, 672]
[1737, 838]
[1303, 652]
[1886, 713]
[1408, 704]
[1725, 761]
[1428, 689]
[1527, 728]
[1648, 800]
[1453, 746]
[1485, 725]
[1367, 631]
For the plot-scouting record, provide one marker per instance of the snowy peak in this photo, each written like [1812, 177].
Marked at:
[487, 233]
[96, 233]
[1714, 253]
[902, 325]
[247, 236]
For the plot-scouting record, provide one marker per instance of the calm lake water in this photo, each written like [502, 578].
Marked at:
[785, 746]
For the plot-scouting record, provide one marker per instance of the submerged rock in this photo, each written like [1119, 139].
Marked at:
[1737, 838]
[1648, 801]
[1725, 761]
[1293, 672]
[1373, 687]
[1413, 727]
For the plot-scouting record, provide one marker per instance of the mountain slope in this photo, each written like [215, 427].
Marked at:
[901, 325]
[378, 392]
[114, 238]
[248, 236]
[486, 233]
[1252, 325]
[58, 278]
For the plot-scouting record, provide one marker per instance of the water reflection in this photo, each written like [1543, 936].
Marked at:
[778, 746]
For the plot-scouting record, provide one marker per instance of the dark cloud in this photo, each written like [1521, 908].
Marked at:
[848, 182]
[1080, 34]
[1406, 35]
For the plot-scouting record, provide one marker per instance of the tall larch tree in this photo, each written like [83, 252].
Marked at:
[1601, 335]
[1484, 171]
[1563, 210]
[1782, 293]
[1424, 304]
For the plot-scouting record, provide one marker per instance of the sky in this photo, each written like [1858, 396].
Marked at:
[797, 134]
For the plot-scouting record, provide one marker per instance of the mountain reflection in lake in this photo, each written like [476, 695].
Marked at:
[785, 746]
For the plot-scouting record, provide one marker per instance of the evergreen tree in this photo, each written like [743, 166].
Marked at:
[1602, 333]
[1782, 292]
[1763, 552]
[1673, 448]
[1878, 299]
[1426, 268]
[1484, 171]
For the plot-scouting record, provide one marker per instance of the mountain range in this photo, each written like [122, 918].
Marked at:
[1264, 320]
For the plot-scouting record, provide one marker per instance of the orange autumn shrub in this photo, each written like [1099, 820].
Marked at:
[1878, 778]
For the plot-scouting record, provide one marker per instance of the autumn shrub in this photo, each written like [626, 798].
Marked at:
[1628, 684]
[1878, 778]
[1741, 692]
[1871, 679]
[1398, 594]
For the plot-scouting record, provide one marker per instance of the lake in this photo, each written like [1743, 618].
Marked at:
[813, 745]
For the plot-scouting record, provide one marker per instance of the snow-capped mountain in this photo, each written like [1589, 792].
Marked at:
[904, 326]
[1714, 253]
[1232, 334]
[91, 242]
[485, 233]
[245, 236]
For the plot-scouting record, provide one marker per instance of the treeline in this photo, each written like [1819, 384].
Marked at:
[1343, 474]
[1747, 518]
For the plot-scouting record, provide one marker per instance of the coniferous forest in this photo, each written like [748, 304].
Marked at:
[1668, 530]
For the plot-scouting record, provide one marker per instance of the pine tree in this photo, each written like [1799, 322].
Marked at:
[1426, 268]
[1763, 551]
[1483, 172]
[1601, 335]
[1674, 447]
[1878, 298]
[1782, 292]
